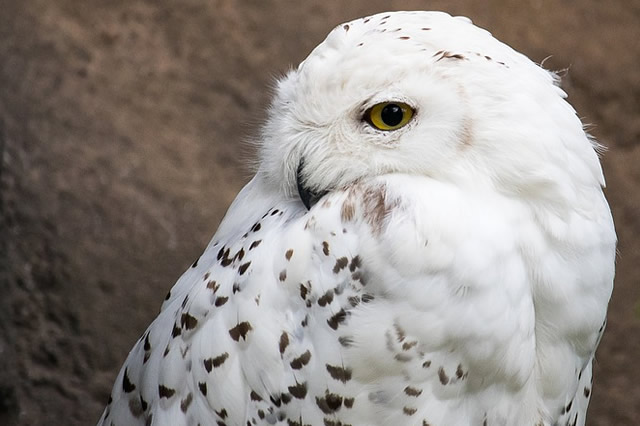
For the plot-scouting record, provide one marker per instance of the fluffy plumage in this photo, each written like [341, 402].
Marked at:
[455, 271]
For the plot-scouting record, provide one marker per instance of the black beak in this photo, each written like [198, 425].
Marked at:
[309, 197]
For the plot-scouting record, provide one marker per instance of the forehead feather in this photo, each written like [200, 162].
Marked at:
[384, 48]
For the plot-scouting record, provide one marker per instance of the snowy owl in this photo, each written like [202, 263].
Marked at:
[425, 242]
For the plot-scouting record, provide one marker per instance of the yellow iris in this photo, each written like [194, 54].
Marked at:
[389, 115]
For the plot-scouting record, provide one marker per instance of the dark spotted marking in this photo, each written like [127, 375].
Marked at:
[284, 342]
[326, 298]
[325, 248]
[127, 386]
[337, 319]
[412, 391]
[444, 379]
[330, 422]
[212, 285]
[288, 254]
[256, 227]
[330, 403]
[236, 288]
[404, 38]
[301, 361]
[286, 398]
[185, 300]
[366, 298]
[353, 301]
[568, 407]
[220, 253]
[460, 374]
[240, 330]
[587, 392]
[347, 211]
[239, 255]
[261, 414]
[135, 408]
[211, 363]
[222, 413]
[185, 403]
[255, 244]
[221, 301]
[356, 262]
[167, 296]
[203, 388]
[275, 400]
[226, 262]
[346, 341]
[195, 263]
[147, 344]
[425, 29]
[184, 351]
[348, 402]
[339, 373]
[408, 345]
[346, 27]
[283, 275]
[143, 403]
[188, 322]
[254, 396]
[305, 321]
[303, 291]
[575, 420]
[243, 268]
[409, 411]
[206, 276]
[426, 364]
[449, 55]
[165, 392]
[360, 44]
[400, 333]
[299, 391]
[166, 351]
[275, 212]
[293, 422]
[357, 276]
[341, 263]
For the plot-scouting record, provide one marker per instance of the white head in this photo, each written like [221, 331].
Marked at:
[483, 114]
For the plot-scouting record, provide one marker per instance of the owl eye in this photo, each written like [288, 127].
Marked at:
[389, 115]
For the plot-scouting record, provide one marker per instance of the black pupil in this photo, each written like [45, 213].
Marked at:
[391, 115]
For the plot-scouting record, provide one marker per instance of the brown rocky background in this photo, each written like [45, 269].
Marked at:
[122, 126]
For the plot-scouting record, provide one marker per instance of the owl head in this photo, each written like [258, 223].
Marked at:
[428, 94]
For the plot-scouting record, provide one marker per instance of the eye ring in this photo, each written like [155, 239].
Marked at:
[388, 116]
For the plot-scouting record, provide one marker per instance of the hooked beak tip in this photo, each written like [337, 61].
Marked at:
[309, 197]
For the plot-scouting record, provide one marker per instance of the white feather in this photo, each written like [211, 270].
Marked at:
[457, 272]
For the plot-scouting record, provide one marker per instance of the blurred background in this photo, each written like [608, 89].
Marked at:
[123, 126]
